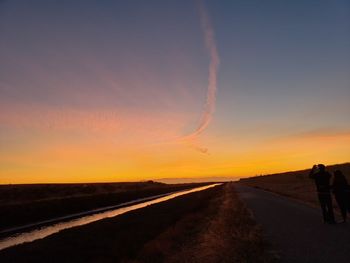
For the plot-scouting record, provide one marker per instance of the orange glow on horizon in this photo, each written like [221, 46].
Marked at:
[102, 157]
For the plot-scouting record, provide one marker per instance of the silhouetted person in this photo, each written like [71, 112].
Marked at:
[322, 178]
[341, 190]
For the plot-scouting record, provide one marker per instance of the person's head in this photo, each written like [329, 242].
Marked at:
[322, 167]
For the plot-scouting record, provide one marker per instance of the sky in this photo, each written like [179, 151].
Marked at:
[99, 91]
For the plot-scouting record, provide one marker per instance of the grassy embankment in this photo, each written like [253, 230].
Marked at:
[24, 204]
[296, 184]
[207, 226]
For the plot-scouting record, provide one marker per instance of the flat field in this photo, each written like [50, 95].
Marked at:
[207, 226]
[25, 204]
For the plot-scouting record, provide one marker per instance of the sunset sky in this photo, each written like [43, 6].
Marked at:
[94, 91]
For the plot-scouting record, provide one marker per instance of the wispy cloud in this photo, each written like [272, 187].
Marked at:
[207, 114]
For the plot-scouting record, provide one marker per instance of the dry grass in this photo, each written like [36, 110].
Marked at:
[295, 184]
[223, 232]
[232, 236]
[24, 204]
[29, 193]
[113, 239]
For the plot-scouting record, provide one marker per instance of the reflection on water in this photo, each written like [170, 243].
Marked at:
[49, 230]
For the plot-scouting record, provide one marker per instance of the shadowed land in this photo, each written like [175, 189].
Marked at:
[26, 204]
[207, 226]
[213, 225]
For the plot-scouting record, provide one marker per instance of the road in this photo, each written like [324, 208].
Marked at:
[296, 230]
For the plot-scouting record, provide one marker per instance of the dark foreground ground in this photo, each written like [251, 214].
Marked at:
[296, 230]
[24, 204]
[207, 226]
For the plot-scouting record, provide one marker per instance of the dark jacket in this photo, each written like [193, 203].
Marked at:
[322, 181]
[340, 185]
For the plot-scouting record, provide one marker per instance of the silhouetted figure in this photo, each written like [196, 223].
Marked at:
[341, 190]
[322, 178]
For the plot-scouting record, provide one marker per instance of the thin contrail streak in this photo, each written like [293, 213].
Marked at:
[209, 108]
